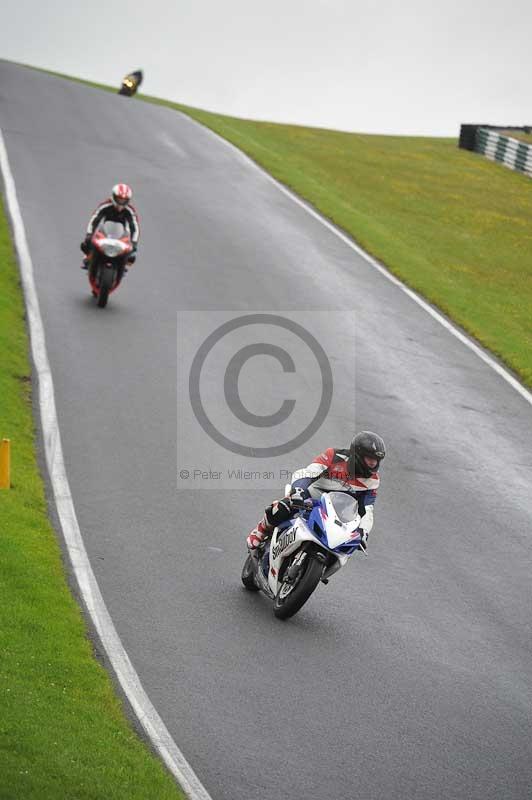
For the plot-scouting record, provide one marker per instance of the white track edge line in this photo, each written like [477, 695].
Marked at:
[145, 712]
[449, 326]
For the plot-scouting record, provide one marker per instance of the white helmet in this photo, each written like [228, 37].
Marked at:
[121, 195]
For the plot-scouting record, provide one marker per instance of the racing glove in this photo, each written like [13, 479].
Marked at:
[279, 511]
[85, 245]
[301, 503]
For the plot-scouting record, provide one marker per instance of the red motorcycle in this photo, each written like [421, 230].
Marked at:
[111, 246]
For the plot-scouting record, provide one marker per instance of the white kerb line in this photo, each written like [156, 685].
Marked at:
[148, 717]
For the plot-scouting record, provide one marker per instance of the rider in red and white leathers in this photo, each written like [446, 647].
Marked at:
[354, 470]
[116, 208]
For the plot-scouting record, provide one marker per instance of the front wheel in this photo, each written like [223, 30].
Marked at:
[248, 572]
[291, 597]
[106, 282]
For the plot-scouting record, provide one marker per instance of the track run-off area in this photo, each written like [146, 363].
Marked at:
[409, 675]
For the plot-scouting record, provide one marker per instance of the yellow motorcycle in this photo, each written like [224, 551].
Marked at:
[131, 83]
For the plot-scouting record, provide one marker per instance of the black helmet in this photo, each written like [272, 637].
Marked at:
[368, 444]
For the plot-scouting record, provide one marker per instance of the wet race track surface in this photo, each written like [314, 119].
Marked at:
[409, 675]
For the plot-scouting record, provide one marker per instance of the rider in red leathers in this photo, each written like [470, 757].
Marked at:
[116, 208]
[354, 470]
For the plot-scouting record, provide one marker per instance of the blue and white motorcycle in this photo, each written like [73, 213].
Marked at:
[307, 549]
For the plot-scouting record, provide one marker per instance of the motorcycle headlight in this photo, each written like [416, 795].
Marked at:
[111, 249]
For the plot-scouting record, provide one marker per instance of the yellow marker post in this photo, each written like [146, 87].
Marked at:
[5, 464]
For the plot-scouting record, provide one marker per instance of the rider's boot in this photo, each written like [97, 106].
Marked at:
[85, 263]
[258, 535]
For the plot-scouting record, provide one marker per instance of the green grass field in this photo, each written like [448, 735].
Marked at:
[63, 733]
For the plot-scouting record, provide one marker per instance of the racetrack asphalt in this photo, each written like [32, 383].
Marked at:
[409, 675]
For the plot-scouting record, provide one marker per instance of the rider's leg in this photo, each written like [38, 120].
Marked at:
[122, 270]
[86, 248]
[259, 534]
[88, 257]
[279, 511]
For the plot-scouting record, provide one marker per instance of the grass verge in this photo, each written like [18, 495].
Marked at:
[63, 732]
[452, 225]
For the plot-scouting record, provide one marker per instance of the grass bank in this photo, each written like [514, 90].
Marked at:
[63, 732]
[452, 225]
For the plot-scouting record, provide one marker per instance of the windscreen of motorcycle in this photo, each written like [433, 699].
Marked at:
[345, 506]
[113, 230]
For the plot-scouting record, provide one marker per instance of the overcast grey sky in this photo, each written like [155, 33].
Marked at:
[399, 66]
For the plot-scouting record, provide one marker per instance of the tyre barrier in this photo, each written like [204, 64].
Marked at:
[486, 140]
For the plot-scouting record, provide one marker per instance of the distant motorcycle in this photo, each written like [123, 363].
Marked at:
[307, 549]
[131, 83]
[111, 245]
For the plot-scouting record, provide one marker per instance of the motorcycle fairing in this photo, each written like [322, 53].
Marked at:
[328, 527]
[112, 241]
[323, 528]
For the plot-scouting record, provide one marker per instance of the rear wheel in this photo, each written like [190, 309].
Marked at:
[291, 596]
[248, 572]
[106, 282]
